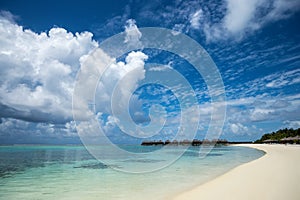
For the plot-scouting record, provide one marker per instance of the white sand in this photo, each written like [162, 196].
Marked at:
[275, 175]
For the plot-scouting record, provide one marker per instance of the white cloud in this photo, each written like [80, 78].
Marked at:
[275, 81]
[261, 114]
[234, 128]
[243, 17]
[38, 70]
[219, 20]
[292, 123]
[263, 109]
[114, 93]
[178, 28]
[239, 14]
[160, 68]
[129, 73]
[238, 128]
[282, 9]
[70, 127]
[133, 35]
[195, 19]
[8, 16]
[249, 116]
[284, 79]
[8, 126]
[19, 131]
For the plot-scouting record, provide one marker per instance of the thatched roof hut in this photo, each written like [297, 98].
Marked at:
[290, 140]
[270, 141]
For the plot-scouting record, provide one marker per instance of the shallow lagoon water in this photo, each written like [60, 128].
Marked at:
[70, 172]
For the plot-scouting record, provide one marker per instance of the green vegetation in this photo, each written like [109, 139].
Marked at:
[281, 136]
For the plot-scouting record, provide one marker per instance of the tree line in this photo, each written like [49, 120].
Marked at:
[281, 136]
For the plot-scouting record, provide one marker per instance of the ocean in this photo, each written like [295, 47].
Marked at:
[70, 172]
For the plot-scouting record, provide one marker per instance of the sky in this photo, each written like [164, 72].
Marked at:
[43, 45]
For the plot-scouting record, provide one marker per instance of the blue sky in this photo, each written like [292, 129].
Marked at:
[255, 45]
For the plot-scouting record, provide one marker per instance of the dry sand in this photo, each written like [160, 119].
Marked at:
[274, 176]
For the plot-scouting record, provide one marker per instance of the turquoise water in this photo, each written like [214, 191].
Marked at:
[70, 172]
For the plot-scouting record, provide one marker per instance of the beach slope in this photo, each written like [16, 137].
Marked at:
[274, 176]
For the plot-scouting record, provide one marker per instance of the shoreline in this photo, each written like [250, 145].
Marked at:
[273, 176]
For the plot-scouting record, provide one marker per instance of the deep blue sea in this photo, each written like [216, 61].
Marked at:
[70, 172]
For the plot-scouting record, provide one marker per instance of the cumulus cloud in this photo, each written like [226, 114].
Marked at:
[133, 35]
[238, 128]
[239, 14]
[38, 70]
[129, 73]
[292, 123]
[243, 17]
[20, 131]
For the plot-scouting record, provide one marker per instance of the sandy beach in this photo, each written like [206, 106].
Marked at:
[275, 175]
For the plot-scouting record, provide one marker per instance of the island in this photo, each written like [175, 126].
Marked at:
[194, 142]
[282, 136]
